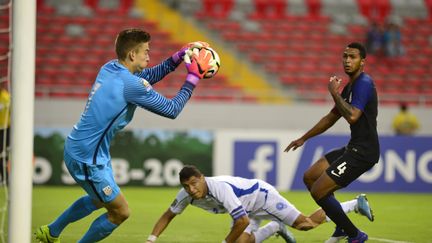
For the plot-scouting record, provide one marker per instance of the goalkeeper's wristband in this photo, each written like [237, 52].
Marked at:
[152, 238]
[178, 56]
[192, 78]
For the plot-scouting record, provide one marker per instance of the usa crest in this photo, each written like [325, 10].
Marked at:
[107, 190]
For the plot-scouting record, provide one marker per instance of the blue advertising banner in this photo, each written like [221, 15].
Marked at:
[255, 156]
[405, 163]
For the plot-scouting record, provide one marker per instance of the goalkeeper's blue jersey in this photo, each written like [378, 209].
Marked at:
[111, 104]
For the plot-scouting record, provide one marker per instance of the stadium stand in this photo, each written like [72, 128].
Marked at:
[295, 44]
[299, 42]
[4, 42]
[75, 38]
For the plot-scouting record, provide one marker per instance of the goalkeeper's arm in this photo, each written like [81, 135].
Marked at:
[160, 225]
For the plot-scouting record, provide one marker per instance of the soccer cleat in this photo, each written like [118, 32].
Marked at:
[44, 236]
[363, 207]
[360, 238]
[285, 233]
[337, 235]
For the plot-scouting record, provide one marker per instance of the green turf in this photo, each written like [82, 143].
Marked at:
[399, 217]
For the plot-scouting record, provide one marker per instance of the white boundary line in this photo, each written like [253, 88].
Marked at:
[387, 240]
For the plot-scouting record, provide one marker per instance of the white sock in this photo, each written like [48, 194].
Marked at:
[266, 231]
[347, 207]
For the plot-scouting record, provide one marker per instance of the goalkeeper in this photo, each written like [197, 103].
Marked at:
[121, 86]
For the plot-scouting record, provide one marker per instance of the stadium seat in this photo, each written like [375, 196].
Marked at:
[219, 9]
[269, 9]
[314, 8]
[375, 10]
[288, 47]
[61, 70]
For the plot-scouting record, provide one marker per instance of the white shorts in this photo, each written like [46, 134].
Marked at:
[275, 208]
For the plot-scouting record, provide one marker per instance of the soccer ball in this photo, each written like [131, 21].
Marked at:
[214, 60]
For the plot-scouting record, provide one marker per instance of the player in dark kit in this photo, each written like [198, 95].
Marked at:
[358, 105]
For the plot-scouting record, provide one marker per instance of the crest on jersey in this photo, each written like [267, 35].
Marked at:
[146, 84]
[107, 190]
[281, 206]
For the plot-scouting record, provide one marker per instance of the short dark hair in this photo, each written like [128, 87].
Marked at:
[188, 171]
[128, 40]
[359, 47]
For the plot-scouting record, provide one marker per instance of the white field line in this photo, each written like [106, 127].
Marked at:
[387, 240]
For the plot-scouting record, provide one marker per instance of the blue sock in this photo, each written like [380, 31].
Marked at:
[334, 211]
[78, 210]
[99, 229]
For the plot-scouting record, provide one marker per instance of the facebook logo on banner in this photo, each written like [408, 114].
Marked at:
[256, 160]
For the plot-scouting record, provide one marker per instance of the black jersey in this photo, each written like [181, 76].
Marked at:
[364, 137]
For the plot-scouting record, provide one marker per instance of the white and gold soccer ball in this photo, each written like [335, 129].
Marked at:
[214, 60]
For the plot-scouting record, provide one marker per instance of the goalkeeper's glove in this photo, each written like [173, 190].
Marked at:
[197, 44]
[179, 55]
[198, 66]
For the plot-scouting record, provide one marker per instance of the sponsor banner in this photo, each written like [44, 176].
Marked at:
[139, 157]
[256, 154]
[405, 163]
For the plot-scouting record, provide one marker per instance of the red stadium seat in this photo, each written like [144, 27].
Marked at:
[375, 10]
[219, 9]
[67, 66]
[269, 9]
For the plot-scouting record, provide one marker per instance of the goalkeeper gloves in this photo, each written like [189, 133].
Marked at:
[198, 66]
[197, 44]
[179, 55]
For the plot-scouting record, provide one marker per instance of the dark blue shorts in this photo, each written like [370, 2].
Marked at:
[346, 166]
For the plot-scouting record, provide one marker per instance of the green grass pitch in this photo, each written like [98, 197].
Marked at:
[398, 217]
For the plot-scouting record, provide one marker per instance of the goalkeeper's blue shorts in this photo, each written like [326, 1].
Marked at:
[97, 180]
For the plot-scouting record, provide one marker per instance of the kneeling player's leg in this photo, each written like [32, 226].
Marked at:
[281, 212]
[262, 233]
[248, 235]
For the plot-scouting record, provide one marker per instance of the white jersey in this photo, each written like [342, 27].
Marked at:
[238, 197]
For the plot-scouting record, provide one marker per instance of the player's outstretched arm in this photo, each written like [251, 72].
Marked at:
[160, 225]
[325, 123]
[141, 93]
[158, 72]
[237, 229]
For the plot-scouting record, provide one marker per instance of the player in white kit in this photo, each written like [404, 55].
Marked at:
[248, 201]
